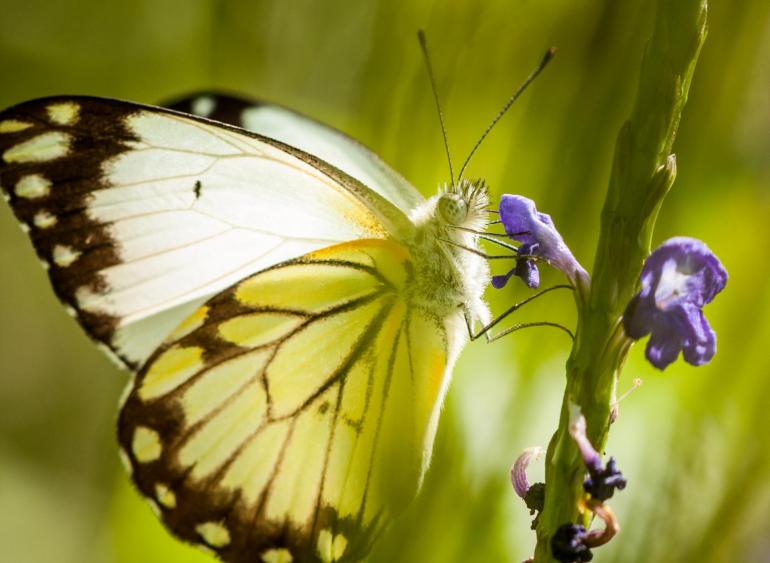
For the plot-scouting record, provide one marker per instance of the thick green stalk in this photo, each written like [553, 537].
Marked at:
[643, 171]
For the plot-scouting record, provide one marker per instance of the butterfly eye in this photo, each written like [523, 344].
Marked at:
[453, 209]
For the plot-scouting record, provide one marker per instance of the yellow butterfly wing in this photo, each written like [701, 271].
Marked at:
[291, 417]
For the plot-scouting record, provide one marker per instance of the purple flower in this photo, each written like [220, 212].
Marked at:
[525, 268]
[568, 544]
[601, 481]
[539, 239]
[678, 279]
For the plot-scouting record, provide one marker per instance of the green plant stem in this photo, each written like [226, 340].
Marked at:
[643, 171]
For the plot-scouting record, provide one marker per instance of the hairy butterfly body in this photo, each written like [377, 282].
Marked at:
[291, 306]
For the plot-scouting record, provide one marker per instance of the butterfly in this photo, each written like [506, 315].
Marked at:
[290, 307]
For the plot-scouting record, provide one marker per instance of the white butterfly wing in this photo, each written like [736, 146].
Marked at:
[309, 135]
[142, 213]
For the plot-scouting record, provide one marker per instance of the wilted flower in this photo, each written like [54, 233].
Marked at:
[601, 481]
[532, 495]
[519, 470]
[539, 239]
[568, 544]
[678, 279]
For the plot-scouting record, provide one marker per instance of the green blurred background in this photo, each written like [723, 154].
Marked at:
[693, 443]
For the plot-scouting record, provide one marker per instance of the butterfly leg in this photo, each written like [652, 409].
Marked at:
[485, 330]
[520, 326]
[469, 325]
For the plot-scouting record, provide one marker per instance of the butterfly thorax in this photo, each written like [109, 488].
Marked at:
[449, 276]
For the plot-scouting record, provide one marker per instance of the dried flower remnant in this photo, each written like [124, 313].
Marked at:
[678, 279]
[532, 495]
[601, 481]
[596, 538]
[572, 542]
[519, 478]
[539, 240]
[568, 544]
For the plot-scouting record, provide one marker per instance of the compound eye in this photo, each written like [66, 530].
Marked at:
[453, 209]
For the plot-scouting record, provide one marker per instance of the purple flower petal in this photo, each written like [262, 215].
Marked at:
[526, 269]
[678, 279]
[521, 220]
[536, 232]
[701, 348]
[683, 270]
[638, 317]
[663, 348]
[519, 470]
[500, 281]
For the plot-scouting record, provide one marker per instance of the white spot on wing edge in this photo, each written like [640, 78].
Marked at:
[331, 547]
[32, 186]
[24, 227]
[64, 113]
[47, 146]
[165, 496]
[146, 445]
[214, 533]
[277, 555]
[203, 106]
[13, 126]
[64, 256]
[85, 297]
[44, 220]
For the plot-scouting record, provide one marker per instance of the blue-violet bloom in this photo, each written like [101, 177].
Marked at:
[568, 544]
[601, 481]
[539, 239]
[678, 279]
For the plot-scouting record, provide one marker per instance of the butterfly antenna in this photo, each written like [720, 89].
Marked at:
[538, 69]
[424, 45]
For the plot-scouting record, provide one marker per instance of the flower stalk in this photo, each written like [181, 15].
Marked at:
[643, 171]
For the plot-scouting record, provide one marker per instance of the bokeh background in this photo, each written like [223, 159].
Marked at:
[692, 442]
